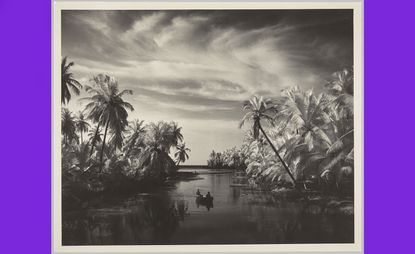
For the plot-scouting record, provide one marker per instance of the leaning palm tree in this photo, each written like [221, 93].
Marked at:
[68, 83]
[106, 106]
[81, 124]
[262, 109]
[181, 153]
[68, 127]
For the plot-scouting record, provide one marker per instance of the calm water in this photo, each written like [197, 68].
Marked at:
[171, 216]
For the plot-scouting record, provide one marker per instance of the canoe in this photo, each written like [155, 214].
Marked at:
[203, 199]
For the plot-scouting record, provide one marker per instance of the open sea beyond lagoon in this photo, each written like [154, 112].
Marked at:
[171, 215]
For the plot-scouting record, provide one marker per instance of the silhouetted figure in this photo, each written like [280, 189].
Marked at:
[209, 201]
[206, 201]
[198, 193]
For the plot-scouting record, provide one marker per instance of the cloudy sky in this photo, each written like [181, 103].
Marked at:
[196, 67]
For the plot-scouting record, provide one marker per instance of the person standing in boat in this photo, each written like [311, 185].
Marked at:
[209, 201]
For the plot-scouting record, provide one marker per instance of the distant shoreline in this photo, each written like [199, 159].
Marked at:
[196, 167]
[193, 166]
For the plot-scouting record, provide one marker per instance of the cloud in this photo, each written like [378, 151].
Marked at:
[203, 64]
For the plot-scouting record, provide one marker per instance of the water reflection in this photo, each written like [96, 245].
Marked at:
[173, 216]
[144, 219]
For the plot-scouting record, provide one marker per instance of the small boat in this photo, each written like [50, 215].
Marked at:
[203, 199]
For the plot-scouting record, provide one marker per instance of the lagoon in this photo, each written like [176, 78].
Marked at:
[171, 215]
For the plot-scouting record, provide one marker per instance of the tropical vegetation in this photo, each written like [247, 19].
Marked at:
[69, 85]
[104, 151]
[298, 139]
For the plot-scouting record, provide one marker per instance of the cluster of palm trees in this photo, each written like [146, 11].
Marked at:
[113, 143]
[232, 158]
[301, 134]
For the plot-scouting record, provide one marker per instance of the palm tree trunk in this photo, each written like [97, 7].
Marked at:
[82, 140]
[278, 155]
[103, 145]
[94, 141]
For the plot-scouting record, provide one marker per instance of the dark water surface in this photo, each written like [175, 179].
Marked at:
[171, 216]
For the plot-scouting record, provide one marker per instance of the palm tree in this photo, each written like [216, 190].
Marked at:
[306, 133]
[80, 153]
[68, 127]
[342, 146]
[211, 159]
[341, 82]
[164, 135]
[135, 139]
[68, 83]
[107, 107]
[94, 138]
[307, 114]
[341, 86]
[154, 159]
[81, 124]
[176, 133]
[261, 109]
[117, 135]
[181, 153]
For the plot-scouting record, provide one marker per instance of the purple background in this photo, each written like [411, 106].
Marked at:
[25, 111]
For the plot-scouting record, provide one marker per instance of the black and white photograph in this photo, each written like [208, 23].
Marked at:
[208, 126]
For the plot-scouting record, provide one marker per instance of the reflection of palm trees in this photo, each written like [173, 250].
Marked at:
[289, 231]
[161, 216]
[181, 208]
[146, 220]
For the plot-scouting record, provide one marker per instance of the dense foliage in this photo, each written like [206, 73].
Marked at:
[103, 151]
[296, 139]
[232, 158]
[299, 138]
